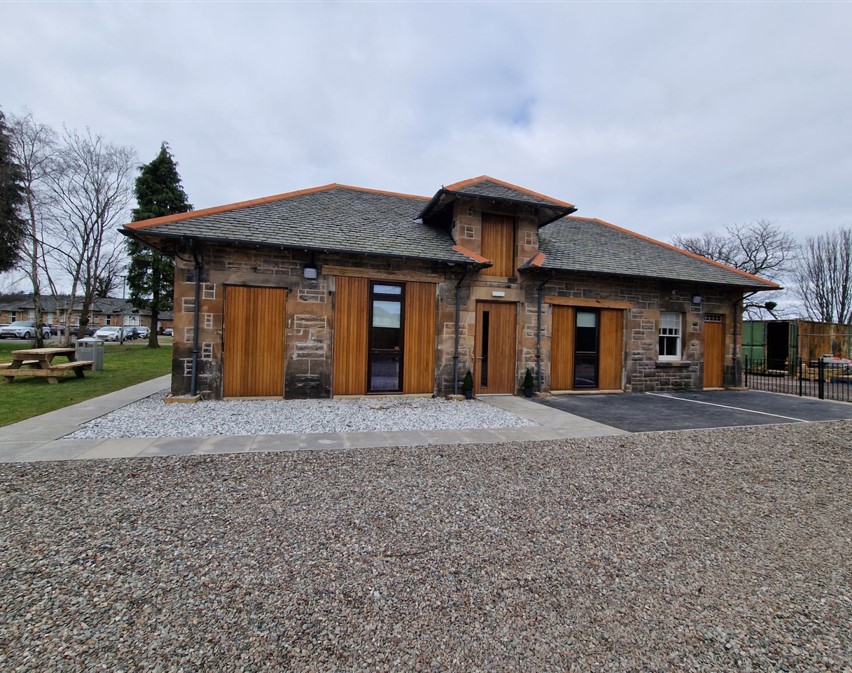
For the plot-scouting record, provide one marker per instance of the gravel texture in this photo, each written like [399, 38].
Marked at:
[723, 550]
[150, 417]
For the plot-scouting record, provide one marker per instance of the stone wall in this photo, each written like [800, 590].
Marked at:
[643, 371]
[309, 337]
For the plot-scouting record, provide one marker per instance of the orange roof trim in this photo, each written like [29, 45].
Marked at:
[456, 186]
[763, 281]
[537, 260]
[479, 259]
[143, 224]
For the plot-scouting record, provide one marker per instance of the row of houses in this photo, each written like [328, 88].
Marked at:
[340, 290]
[59, 310]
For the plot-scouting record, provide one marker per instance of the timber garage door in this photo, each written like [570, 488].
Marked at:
[384, 336]
[254, 341]
[587, 348]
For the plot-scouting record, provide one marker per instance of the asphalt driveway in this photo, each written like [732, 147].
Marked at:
[647, 412]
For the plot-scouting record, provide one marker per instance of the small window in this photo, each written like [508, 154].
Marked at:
[670, 336]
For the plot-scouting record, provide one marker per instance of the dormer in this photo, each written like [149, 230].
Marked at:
[494, 219]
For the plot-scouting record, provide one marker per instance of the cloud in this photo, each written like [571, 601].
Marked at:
[664, 118]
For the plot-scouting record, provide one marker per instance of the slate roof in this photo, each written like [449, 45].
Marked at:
[333, 218]
[489, 187]
[546, 208]
[592, 245]
[49, 303]
[339, 218]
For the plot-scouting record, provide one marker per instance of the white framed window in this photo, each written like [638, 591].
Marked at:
[670, 336]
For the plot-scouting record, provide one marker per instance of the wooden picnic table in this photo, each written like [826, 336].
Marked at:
[30, 362]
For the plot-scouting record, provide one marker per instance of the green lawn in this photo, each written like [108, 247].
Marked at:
[124, 365]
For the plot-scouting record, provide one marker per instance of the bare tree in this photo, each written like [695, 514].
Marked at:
[824, 277]
[34, 146]
[92, 189]
[760, 248]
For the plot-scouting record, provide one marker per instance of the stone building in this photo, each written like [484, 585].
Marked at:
[341, 290]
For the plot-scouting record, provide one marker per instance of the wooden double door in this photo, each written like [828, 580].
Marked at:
[587, 348]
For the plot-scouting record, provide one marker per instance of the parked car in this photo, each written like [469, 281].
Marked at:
[23, 329]
[109, 333]
[834, 363]
[168, 332]
[144, 332]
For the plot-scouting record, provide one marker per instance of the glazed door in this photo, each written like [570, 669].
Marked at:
[495, 347]
[714, 354]
[253, 363]
[587, 348]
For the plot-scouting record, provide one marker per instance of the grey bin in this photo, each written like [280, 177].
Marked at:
[91, 349]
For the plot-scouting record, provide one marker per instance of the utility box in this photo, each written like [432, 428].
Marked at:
[91, 349]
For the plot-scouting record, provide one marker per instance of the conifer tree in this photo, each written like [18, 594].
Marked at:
[13, 227]
[150, 275]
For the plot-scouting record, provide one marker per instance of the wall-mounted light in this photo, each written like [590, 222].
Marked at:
[696, 299]
[311, 272]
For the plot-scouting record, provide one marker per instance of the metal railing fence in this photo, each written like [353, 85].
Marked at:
[820, 379]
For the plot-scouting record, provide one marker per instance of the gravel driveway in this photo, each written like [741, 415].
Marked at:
[723, 550]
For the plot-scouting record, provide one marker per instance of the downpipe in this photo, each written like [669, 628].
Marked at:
[193, 386]
[539, 296]
[456, 335]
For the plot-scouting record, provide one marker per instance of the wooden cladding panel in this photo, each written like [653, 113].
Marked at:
[351, 317]
[562, 348]
[418, 366]
[254, 331]
[498, 244]
[714, 354]
[611, 349]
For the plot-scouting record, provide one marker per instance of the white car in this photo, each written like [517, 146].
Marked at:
[109, 333]
[143, 331]
[22, 329]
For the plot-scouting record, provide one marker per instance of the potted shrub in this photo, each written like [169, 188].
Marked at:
[528, 383]
[467, 385]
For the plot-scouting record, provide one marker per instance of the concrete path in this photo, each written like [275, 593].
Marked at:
[40, 438]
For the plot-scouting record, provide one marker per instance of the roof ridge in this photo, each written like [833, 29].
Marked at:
[177, 217]
[456, 186]
[669, 246]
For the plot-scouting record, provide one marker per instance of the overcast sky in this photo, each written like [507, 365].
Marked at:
[663, 118]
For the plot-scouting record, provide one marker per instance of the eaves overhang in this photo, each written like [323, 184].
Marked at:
[543, 213]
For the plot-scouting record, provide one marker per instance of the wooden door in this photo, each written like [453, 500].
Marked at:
[611, 349]
[418, 369]
[498, 244]
[562, 348]
[496, 328]
[714, 354]
[253, 360]
[351, 322]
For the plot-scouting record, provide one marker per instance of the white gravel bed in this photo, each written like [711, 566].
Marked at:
[723, 550]
[151, 417]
